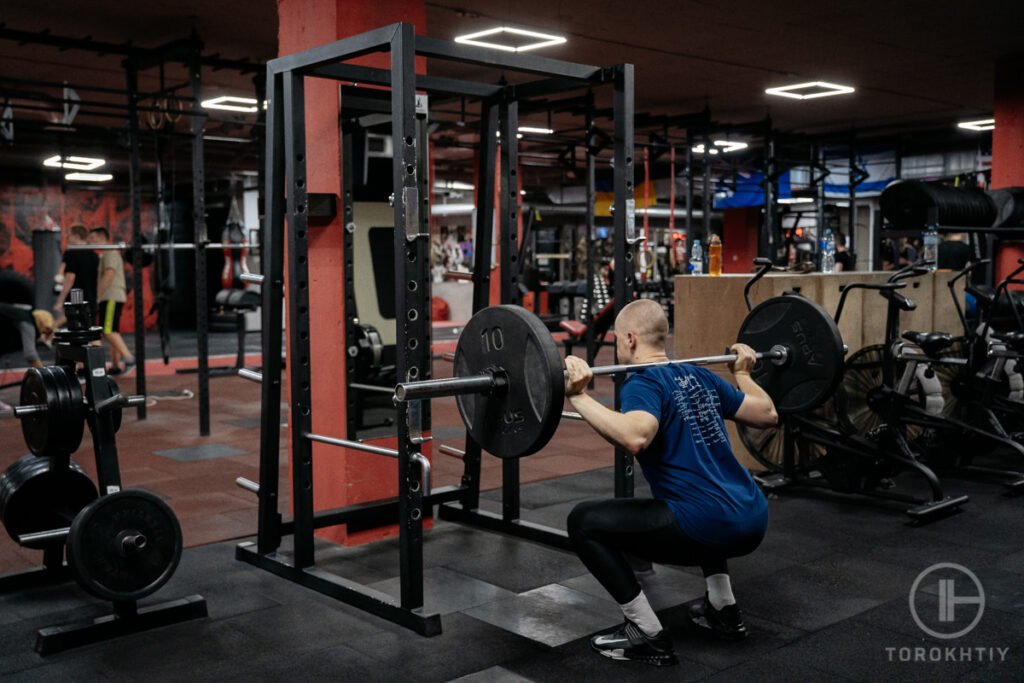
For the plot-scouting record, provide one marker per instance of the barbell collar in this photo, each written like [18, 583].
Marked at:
[451, 386]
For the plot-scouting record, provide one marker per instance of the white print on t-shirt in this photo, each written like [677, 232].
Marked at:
[700, 409]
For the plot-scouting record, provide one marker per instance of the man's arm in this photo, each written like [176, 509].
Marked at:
[105, 279]
[632, 431]
[69, 282]
[757, 409]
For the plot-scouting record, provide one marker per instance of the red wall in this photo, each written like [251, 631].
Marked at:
[1008, 146]
[739, 238]
[342, 477]
[23, 209]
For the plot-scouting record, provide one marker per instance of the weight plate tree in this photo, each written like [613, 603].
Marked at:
[124, 546]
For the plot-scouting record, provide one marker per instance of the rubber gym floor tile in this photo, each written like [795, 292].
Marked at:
[692, 643]
[446, 591]
[774, 668]
[493, 674]
[1003, 590]
[245, 422]
[552, 615]
[576, 661]
[869, 577]
[203, 452]
[465, 645]
[800, 602]
[337, 663]
[863, 652]
[521, 566]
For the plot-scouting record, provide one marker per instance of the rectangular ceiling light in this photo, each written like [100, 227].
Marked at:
[537, 131]
[795, 200]
[809, 91]
[74, 163]
[980, 124]
[247, 105]
[724, 146]
[540, 39]
[85, 177]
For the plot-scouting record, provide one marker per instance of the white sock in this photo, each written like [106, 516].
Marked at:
[639, 611]
[720, 591]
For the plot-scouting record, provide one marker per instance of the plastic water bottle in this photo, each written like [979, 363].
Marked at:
[828, 252]
[697, 259]
[715, 256]
[931, 246]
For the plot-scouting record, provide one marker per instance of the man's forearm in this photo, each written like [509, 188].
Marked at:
[616, 428]
[105, 280]
[749, 387]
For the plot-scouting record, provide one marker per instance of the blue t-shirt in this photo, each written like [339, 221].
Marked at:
[690, 464]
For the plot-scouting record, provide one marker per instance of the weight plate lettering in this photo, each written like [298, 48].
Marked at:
[815, 364]
[124, 546]
[521, 417]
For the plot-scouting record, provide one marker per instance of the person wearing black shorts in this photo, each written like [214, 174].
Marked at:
[706, 507]
[111, 295]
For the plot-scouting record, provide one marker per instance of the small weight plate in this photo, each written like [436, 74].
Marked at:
[101, 545]
[815, 364]
[34, 498]
[520, 418]
[70, 420]
[58, 430]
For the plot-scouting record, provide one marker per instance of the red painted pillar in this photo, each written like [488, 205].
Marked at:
[739, 238]
[341, 477]
[1008, 145]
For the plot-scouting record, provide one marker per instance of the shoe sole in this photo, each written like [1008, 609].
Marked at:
[619, 655]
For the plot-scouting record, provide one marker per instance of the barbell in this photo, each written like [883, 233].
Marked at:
[509, 380]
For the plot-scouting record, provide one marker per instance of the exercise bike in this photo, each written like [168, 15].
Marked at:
[822, 449]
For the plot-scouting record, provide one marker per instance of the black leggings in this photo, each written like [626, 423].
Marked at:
[604, 532]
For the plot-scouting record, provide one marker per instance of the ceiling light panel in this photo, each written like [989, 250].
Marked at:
[500, 33]
[246, 105]
[810, 90]
[979, 125]
[75, 163]
[89, 177]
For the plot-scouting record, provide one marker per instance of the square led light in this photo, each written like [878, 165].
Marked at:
[542, 39]
[979, 125]
[537, 131]
[84, 177]
[810, 90]
[246, 105]
[74, 163]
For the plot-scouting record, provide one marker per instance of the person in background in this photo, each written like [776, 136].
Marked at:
[844, 259]
[954, 253]
[78, 270]
[907, 252]
[111, 295]
[30, 326]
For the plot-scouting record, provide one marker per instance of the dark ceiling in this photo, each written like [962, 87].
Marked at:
[916, 64]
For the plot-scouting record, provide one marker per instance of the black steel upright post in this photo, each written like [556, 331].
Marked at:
[854, 181]
[508, 241]
[625, 239]
[689, 197]
[412, 321]
[299, 356]
[198, 122]
[819, 196]
[705, 192]
[482, 267]
[591, 237]
[766, 243]
[272, 265]
[352, 411]
[135, 191]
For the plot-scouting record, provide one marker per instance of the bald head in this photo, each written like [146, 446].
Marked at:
[645, 319]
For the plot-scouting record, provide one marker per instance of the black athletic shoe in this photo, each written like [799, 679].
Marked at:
[724, 624]
[114, 370]
[628, 642]
[129, 366]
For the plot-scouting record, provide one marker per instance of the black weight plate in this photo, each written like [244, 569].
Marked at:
[33, 498]
[96, 545]
[36, 389]
[815, 364]
[521, 418]
[70, 419]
